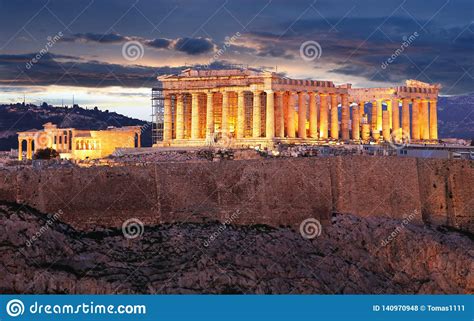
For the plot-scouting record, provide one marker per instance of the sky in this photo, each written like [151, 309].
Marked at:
[108, 53]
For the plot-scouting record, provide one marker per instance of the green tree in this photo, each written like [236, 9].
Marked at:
[47, 153]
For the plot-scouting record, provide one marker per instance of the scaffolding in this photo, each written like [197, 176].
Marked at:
[157, 114]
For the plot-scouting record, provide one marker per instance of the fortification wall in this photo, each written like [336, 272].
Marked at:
[275, 192]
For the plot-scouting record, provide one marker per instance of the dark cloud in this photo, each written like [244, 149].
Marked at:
[95, 37]
[159, 43]
[70, 71]
[190, 46]
[194, 46]
[359, 47]
[64, 70]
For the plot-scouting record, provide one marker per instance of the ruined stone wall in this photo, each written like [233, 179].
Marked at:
[275, 192]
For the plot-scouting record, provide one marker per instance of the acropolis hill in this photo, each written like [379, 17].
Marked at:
[273, 192]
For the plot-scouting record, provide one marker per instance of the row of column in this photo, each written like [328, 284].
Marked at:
[283, 120]
[210, 125]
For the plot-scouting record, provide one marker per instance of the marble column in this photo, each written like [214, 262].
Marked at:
[29, 148]
[389, 109]
[406, 117]
[379, 114]
[355, 123]
[195, 116]
[374, 118]
[323, 117]
[386, 125]
[179, 116]
[210, 116]
[270, 115]
[241, 114]
[280, 115]
[425, 134]
[433, 120]
[291, 115]
[167, 130]
[225, 114]
[395, 115]
[361, 110]
[257, 114]
[334, 117]
[365, 131]
[415, 121]
[345, 117]
[20, 149]
[302, 114]
[313, 116]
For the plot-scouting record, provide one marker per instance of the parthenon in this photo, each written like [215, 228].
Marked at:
[250, 108]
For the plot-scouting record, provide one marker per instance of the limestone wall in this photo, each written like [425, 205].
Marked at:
[274, 192]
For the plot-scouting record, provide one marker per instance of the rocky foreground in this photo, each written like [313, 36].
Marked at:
[39, 254]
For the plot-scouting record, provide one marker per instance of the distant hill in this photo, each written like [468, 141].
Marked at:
[456, 116]
[20, 117]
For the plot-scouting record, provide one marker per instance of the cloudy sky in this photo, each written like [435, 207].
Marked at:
[107, 53]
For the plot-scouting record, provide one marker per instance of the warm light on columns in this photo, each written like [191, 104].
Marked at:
[195, 116]
[313, 116]
[334, 117]
[323, 117]
[167, 130]
[270, 115]
[240, 114]
[302, 114]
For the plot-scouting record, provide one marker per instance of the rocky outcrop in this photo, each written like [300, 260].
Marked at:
[354, 254]
[274, 192]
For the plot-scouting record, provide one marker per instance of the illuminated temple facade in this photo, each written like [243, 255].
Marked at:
[78, 144]
[246, 108]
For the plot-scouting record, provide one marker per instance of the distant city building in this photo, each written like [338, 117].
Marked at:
[78, 144]
[245, 108]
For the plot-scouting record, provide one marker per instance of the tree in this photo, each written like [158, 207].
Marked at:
[47, 153]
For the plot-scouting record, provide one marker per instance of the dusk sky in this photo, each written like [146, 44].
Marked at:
[87, 56]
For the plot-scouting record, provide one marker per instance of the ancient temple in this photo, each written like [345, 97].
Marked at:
[250, 108]
[78, 144]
